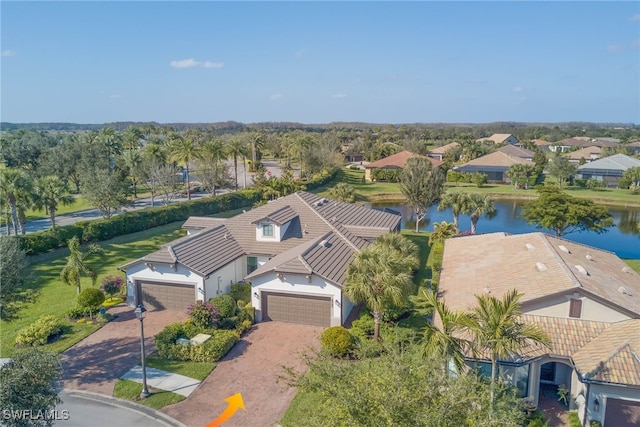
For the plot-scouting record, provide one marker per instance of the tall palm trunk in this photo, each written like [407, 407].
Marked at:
[188, 181]
[244, 169]
[14, 214]
[474, 224]
[52, 215]
[494, 368]
[235, 169]
[377, 318]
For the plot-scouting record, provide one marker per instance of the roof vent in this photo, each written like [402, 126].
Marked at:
[226, 236]
[529, 246]
[563, 248]
[486, 290]
[324, 243]
[317, 203]
[623, 291]
[589, 257]
[325, 200]
[541, 267]
[581, 269]
[626, 270]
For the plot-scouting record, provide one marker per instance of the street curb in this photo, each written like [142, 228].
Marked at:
[126, 404]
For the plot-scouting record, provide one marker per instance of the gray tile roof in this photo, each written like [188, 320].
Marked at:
[615, 162]
[514, 151]
[311, 219]
[200, 222]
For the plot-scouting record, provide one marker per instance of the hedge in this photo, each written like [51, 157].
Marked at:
[212, 350]
[39, 332]
[134, 221]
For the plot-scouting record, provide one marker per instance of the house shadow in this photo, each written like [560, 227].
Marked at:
[241, 346]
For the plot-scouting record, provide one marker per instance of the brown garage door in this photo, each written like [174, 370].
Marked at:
[303, 309]
[622, 413]
[169, 296]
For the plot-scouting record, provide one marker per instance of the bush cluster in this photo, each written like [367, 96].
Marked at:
[225, 304]
[202, 314]
[390, 175]
[212, 350]
[112, 285]
[241, 292]
[131, 222]
[477, 178]
[321, 179]
[337, 340]
[39, 332]
[91, 299]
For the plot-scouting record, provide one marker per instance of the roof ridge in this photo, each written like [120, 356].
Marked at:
[613, 353]
[561, 261]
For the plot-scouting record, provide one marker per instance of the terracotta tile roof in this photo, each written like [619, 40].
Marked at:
[398, 160]
[496, 159]
[536, 265]
[444, 148]
[586, 152]
[514, 151]
[612, 357]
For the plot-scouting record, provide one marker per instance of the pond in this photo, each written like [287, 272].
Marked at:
[623, 239]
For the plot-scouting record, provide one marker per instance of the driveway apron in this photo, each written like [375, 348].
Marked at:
[252, 368]
[95, 363]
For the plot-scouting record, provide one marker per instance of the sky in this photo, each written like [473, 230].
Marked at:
[320, 62]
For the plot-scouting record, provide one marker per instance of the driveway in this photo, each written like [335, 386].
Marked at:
[95, 363]
[251, 368]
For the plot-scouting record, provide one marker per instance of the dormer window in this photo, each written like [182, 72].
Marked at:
[267, 230]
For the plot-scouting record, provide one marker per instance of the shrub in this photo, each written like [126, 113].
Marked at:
[364, 323]
[225, 304]
[337, 340]
[104, 318]
[241, 291]
[111, 302]
[624, 183]
[91, 299]
[112, 285]
[594, 184]
[202, 314]
[366, 348]
[77, 312]
[39, 332]
[574, 419]
[391, 314]
[228, 323]
[594, 423]
[479, 179]
[211, 351]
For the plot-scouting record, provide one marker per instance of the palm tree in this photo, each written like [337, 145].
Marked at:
[458, 202]
[108, 137]
[50, 192]
[13, 183]
[515, 172]
[77, 264]
[183, 150]
[479, 205]
[442, 231]
[235, 149]
[377, 278]
[498, 331]
[445, 341]
[342, 192]
[133, 161]
[405, 249]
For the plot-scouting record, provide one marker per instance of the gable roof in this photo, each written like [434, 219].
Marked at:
[399, 160]
[585, 153]
[311, 217]
[497, 138]
[200, 222]
[496, 159]
[515, 151]
[615, 162]
[444, 148]
[541, 143]
[537, 265]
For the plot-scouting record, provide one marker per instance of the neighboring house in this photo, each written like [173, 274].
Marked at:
[351, 156]
[438, 153]
[493, 165]
[582, 142]
[542, 144]
[588, 154]
[294, 250]
[608, 169]
[500, 138]
[395, 161]
[516, 151]
[587, 300]
[634, 147]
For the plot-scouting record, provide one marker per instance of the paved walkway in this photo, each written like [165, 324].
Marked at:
[97, 362]
[252, 368]
[163, 380]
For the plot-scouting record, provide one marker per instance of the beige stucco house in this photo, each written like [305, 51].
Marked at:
[294, 251]
[586, 299]
[395, 161]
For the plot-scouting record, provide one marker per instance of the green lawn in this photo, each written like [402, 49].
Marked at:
[130, 390]
[196, 370]
[56, 298]
[633, 263]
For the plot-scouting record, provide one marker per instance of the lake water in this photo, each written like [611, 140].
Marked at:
[623, 239]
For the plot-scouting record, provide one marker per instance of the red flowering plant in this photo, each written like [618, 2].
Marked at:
[112, 285]
[202, 314]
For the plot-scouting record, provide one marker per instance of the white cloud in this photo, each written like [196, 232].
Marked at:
[7, 53]
[339, 95]
[191, 63]
[275, 97]
[635, 18]
[518, 89]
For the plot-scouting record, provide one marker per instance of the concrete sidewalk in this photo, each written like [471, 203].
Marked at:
[164, 380]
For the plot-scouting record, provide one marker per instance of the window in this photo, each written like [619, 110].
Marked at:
[267, 230]
[522, 380]
[252, 264]
[575, 308]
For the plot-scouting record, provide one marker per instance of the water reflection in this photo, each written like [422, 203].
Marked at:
[623, 239]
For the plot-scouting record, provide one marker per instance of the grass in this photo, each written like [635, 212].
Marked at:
[301, 405]
[633, 263]
[196, 370]
[130, 390]
[79, 204]
[56, 298]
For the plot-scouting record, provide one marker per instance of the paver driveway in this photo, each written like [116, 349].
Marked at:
[251, 368]
[95, 363]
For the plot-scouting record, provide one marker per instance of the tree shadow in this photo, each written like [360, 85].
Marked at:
[13, 303]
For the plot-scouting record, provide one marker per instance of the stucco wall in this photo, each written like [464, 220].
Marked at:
[221, 280]
[603, 392]
[296, 284]
[591, 309]
[161, 273]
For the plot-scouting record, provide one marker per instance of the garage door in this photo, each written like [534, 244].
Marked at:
[303, 309]
[622, 413]
[169, 296]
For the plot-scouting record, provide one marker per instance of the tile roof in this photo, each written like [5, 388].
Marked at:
[398, 160]
[200, 222]
[496, 159]
[444, 148]
[498, 138]
[586, 153]
[536, 265]
[615, 162]
[514, 151]
[541, 143]
[613, 356]
[310, 218]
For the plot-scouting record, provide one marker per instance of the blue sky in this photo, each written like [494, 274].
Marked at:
[318, 62]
